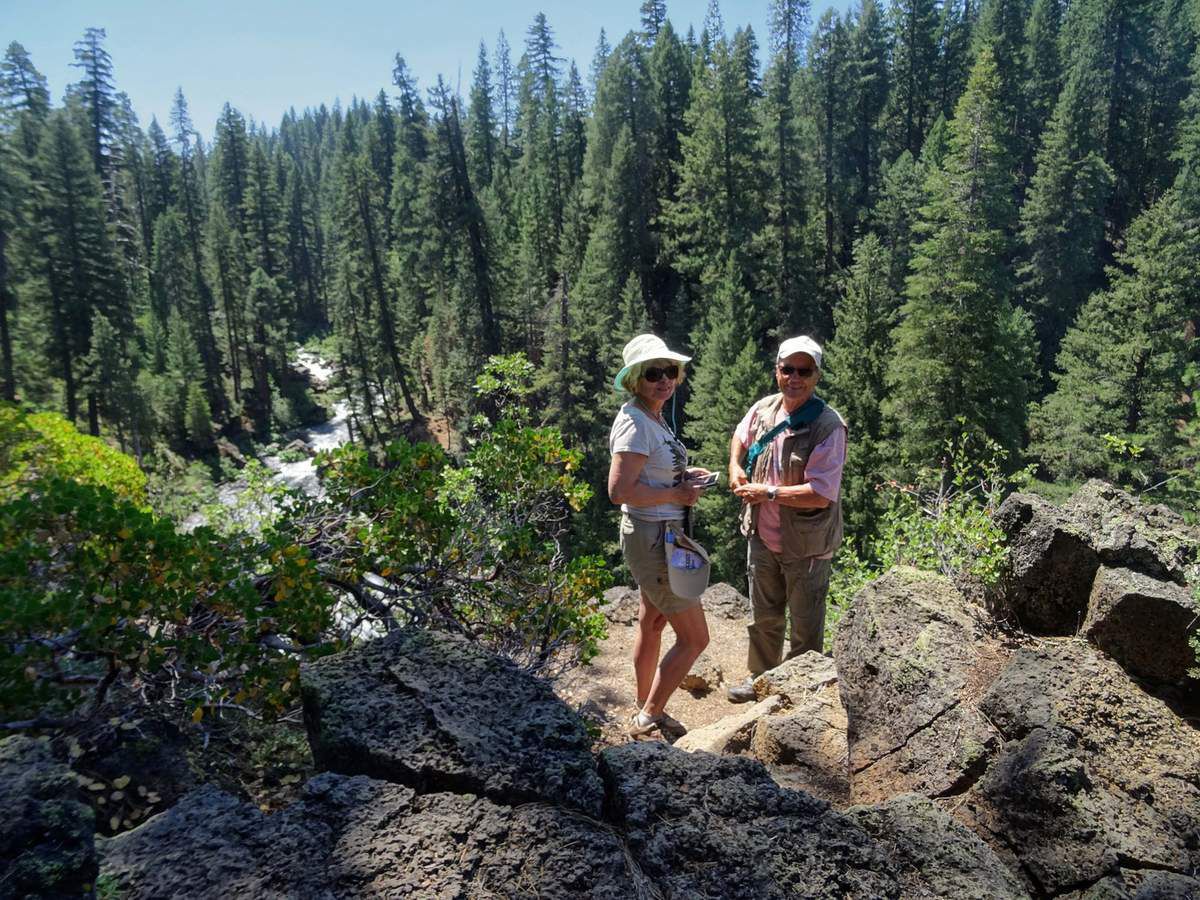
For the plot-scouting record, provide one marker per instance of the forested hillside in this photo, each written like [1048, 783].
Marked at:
[990, 212]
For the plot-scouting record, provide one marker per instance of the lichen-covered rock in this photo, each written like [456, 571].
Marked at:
[1139, 884]
[358, 837]
[1131, 534]
[46, 833]
[1066, 824]
[1144, 623]
[438, 713]
[718, 826]
[1096, 775]
[704, 677]
[907, 652]
[936, 856]
[1048, 574]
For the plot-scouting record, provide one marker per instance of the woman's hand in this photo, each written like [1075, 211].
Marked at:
[686, 493]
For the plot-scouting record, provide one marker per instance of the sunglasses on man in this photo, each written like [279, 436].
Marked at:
[654, 373]
[802, 371]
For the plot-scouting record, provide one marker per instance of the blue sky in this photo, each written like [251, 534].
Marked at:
[263, 56]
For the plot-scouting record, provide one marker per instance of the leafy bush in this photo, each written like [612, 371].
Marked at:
[35, 446]
[942, 522]
[96, 590]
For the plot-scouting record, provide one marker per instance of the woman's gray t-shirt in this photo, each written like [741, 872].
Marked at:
[636, 431]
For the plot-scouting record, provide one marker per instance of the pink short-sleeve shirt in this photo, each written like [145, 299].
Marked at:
[823, 472]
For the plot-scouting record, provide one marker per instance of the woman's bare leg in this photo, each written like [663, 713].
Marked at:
[691, 637]
[646, 646]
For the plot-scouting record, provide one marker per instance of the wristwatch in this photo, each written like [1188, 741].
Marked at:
[772, 492]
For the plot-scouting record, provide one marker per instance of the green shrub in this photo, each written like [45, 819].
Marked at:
[35, 446]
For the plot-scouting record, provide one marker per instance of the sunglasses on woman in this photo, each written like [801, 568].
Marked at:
[654, 373]
[802, 371]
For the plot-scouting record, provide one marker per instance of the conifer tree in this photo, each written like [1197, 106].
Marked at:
[855, 366]
[481, 123]
[81, 272]
[729, 374]
[957, 22]
[910, 111]
[231, 162]
[226, 257]
[1002, 25]
[719, 206]
[1043, 63]
[786, 200]
[654, 16]
[1120, 389]
[829, 83]
[1063, 218]
[97, 92]
[963, 354]
[191, 205]
[870, 84]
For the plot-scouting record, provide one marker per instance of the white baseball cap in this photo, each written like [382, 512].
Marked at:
[802, 344]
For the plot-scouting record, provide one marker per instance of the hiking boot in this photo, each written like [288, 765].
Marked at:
[742, 692]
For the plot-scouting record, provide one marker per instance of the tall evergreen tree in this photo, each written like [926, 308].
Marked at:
[191, 205]
[97, 92]
[964, 354]
[786, 197]
[856, 364]
[81, 273]
[1063, 218]
[910, 111]
[231, 154]
[1120, 380]
[481, 123]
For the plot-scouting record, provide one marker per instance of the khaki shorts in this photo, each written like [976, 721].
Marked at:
[642, 545]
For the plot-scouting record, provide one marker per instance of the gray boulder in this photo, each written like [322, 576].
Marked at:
[1048, 574]
[355, 837]
[794, 679]
[46, 832]
[1131, 534]
[1144, 623]
[704, 677]
[936, 856]
[718, 826]
[1096, 774]
[724, 601]
[441, 714]
[621, 605]
[804, 747]
[909, 652]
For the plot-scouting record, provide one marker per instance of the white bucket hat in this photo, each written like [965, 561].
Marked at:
[802, 344]
[688, 566]
[644, 348]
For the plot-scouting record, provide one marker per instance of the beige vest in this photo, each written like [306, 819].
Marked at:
[806, 532]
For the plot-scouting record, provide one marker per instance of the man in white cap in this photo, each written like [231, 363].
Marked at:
[795, 447]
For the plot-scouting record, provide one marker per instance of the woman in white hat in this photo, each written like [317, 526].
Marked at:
[649, 478]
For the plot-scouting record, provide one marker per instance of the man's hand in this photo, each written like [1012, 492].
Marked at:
[752, 492]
